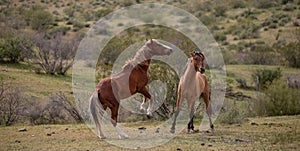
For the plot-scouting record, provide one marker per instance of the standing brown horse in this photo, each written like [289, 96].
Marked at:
[131, 80]
[192, 85]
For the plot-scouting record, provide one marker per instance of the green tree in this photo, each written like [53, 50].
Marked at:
[10, 50]
[262, 77]
[41, 20]
[291, 52]
[38, 18]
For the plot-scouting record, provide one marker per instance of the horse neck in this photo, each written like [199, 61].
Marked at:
[142, 57]
[190, 73]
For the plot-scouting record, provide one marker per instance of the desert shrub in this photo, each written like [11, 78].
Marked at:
[62, 29]
[220, 10]
[242, 83]
[220, 37]
[288, 8]
[296, 23]
[69, 11]
[102, 12]
[263, 77]
[55, 12]
[298, 16]
[57, 109]
[263, 4]
[12, 102]
[232, 115]
[78, 24]
[279, 100]
[273, 25]
[38, 18]
[262, 54]
[127, 2]
[291, 52]
[286, 1]
[208, 19]
[238, 4]
[275, 19]
[245, 29]
[53, 54]
[10, 49]
[263, 58]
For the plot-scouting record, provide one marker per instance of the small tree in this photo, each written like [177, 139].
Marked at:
[11, 103]
[52, 54]
[60, 109]
[262, 77]
[291, 52]
[10, 50]
[38, 18]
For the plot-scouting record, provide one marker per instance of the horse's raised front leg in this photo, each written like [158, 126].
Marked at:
[142, 108]
[114, 117]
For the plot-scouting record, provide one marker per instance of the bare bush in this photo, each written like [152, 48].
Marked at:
[12, 103]
[52, 53]
[59, 109]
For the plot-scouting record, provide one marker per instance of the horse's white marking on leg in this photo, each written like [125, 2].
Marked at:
[149, 110]
[121, 134]
[142, 108]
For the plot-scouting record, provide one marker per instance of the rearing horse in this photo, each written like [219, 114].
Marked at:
[192, 85]
[130, 80]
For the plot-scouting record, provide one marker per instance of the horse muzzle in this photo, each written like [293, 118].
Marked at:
[202, 70]
[170, 51]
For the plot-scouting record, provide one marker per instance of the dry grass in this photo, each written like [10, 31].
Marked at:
[270, 133]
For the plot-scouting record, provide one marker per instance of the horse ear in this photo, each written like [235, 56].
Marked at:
[146, 39]
[192, 53]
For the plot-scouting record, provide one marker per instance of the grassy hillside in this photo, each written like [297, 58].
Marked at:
[42, 85]
[270, 133]
[36, 86]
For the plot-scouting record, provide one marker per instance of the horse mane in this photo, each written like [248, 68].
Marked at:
[141, 55]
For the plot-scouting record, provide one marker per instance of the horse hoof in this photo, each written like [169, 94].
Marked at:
[172, 131]
[124, 136]
[102, 137]
[143, 110]
[190, 131]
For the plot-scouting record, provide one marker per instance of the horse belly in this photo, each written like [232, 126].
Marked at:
[190, 89]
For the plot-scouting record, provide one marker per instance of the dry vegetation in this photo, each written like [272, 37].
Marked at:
[255, 37]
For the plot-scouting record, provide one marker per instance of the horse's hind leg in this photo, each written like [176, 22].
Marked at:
[208, 109]
[114, 117]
